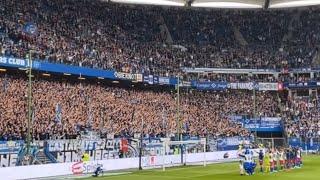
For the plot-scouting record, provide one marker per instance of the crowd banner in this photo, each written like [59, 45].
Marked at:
[263, 124]
[260, 124]
[10, 147]
[232, 143]
[216, 86]
[72, 145]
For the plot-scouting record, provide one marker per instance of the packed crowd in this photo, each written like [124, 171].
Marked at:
[303, 118]
[157, 40]
[121, 111]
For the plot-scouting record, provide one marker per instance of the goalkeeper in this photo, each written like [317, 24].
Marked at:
[266, 161]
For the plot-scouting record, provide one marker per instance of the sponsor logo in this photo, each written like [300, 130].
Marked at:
[128, 76]
[248, 86]
[211, 85]
[81, 167]
[77, 168]
[152, 160]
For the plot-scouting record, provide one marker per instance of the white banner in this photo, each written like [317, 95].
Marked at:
[268, 86]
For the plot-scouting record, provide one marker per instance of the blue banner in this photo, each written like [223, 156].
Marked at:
[216, 86]
[173, 81]
[298, 85]
[13, 147]
[76, 70]
[150, 79]
[310, 144]
[14, 62]
[263, 124]
[56, 68]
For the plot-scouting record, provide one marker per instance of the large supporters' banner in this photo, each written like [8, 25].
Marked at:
[12, 147]
[71, 145]
[231, 143]
[261, 124]
[216, 86]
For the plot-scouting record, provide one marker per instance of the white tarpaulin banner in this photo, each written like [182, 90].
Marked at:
[268, 86]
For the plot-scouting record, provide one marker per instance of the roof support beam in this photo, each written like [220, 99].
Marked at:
[266, 4]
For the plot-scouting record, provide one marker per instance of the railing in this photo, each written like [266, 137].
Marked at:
[48, 154]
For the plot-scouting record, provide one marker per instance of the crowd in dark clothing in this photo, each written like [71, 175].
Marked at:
[158, 40]
[121, 111]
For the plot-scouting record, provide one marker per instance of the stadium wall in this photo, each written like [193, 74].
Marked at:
[61, 169]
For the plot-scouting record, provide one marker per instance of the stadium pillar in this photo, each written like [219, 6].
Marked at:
[140, 149]
[178, 110]
[255, 113]
[29, 104]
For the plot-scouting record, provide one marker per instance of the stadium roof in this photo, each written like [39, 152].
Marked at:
[248, 4]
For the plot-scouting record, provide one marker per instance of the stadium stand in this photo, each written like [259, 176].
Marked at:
[135, 38]
[160, 41]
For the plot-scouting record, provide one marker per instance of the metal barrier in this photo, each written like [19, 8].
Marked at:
[272, 142]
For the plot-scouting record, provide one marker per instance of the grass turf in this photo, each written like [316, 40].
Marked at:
[226, 171]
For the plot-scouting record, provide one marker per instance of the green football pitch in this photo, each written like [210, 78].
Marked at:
[225, 171]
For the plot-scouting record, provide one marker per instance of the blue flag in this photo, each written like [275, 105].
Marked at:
[30, 29]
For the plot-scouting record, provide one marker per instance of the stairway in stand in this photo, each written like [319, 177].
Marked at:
[41, 156]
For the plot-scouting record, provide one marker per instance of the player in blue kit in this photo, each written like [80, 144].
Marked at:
[261, 157]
